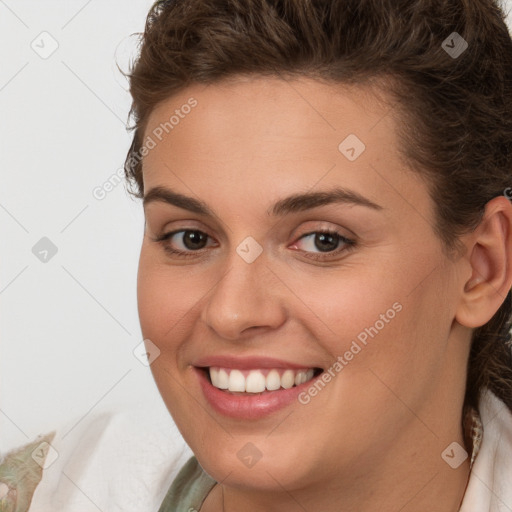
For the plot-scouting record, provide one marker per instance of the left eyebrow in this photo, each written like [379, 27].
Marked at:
[291, 204]
[310, 200]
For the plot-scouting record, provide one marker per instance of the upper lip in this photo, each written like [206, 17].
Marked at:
[248, 363]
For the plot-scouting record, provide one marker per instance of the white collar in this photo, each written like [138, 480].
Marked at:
[489, 487]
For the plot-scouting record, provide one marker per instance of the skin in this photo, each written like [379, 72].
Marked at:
[375, 434]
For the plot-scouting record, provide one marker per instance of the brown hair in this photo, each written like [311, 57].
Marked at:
[455, 110]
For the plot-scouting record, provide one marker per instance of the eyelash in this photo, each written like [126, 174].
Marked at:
[348, 244]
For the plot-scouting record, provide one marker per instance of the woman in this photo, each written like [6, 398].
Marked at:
[324, 280]
[325, 274]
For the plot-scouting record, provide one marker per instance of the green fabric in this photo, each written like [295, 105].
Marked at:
[21, 470]
[188, 490]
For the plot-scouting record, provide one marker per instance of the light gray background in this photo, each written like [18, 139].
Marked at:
[68, 326]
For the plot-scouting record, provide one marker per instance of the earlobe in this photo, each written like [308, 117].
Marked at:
[490, 257]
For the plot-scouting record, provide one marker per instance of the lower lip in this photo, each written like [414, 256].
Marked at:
[250, 406]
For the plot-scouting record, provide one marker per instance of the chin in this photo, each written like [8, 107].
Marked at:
[256, 464]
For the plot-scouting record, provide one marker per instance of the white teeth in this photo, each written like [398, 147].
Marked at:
[300, 378]
[273, 380]
[219, 378]
[223, 379]
[236, 381]
[256, 381]
[214, 376]
[288, 379]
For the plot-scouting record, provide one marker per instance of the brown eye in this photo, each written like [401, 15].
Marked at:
[194, 240]
[189, 242]
[326, 242]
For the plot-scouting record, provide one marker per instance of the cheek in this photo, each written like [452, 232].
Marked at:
[341, 307]
[386, 319]
[165, 300]
[152, 303]
[163, 309]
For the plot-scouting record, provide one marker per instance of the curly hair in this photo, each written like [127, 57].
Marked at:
[455, 108]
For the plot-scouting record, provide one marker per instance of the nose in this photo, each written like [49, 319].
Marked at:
[247, 298]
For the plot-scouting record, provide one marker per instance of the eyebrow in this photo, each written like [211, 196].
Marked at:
[291, 204]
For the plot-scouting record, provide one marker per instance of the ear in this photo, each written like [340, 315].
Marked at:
[490, 258]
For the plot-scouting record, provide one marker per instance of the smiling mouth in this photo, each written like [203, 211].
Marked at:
[257, 381]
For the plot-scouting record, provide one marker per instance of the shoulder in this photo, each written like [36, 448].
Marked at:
[121, 459]
[189, 489]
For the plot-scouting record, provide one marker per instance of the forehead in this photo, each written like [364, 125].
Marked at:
[301, 107]
[264, 134]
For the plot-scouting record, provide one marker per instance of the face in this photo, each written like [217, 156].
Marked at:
[305, 250]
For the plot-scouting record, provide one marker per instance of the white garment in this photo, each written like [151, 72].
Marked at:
[126, 460]
[121, 460]
[489, 487]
